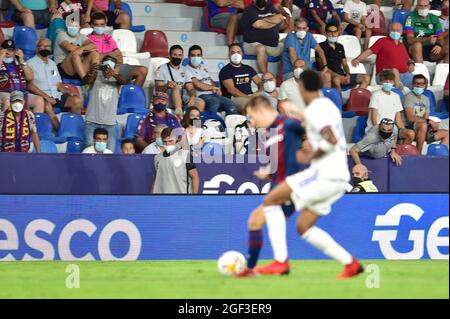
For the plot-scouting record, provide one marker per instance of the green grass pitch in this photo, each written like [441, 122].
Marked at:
[200, 279]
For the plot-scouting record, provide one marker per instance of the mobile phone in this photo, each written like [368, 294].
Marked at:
[103, 67]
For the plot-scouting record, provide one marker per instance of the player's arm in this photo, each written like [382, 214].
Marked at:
[328, 143]
[193, 173]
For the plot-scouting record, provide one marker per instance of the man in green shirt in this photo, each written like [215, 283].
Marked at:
[424, 35]
[32, 12]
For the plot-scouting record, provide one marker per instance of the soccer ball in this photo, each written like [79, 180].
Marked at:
[231, 263]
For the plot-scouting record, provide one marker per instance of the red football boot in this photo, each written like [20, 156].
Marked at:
[247, 272]
[351, 270]
[274, 268]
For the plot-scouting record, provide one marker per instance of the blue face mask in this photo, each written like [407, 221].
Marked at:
[100, 146]
[387, 87]
[8, 60]
[159, 141]
[395, 35]
[99, 30]
[418, 91]
[196, 60]
[73, 31]
[332, 39]
[109, 63]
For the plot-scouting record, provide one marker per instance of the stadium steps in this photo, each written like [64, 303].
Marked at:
[165, 10]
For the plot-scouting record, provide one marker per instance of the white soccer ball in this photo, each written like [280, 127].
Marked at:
[231, 263]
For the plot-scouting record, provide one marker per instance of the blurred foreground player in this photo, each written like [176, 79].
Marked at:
[316, 188]
[283, 140]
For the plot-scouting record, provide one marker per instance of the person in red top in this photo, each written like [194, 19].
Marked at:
[391, 53]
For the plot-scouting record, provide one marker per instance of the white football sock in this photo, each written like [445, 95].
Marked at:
[325, 243]
[276, 225]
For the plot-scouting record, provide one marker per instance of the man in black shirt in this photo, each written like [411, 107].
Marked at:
[236, 78]
[338, 67]
[260, 26]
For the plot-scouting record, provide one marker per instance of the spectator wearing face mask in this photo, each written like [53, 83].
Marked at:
[100, 141]
[380, 141]
[298, 45]
[157, 115]
[103, 99]
[236, 78]
[245, 138]
[157, 146]
[338, 67]
[387, 104]
[417, 115]
[18, 126]
[270, 88]
[391, 54]
[361, 183]
[175, 171]
[199, 80]
[194, 136]
[127, 147]
[289, 89]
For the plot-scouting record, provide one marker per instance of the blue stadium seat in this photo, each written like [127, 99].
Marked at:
[399, 92]
[71, 127]
[75, 146]
[126, 8]
[437, 150]
[48, 146]
[361, 124]
[132, 124]
[334, 96]
[212, 149]
[400, 16]
[26, 39]
[208, 115]
[433, 104]
[44, 126]
[132, 100]
[75, 82]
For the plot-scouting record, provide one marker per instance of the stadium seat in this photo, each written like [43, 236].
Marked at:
[48, 146]
[320, 38]
[132, 124]
[132, 100]
[358, 101]
[334, 96]
[44, 126]
[71, 127]
[407, 149]
[352, 46]
[26, 39]
[212, 149]
[208, 115]
[195, 3]
[399, 92]
[435, 12]
[400, 16]
[2, 36]
[156, 43]
[433, 105]
[7, 24]
[126, 8]
[233, 120]
[75, 146]
[75, 82]
[360, 128]
[421, 68]
[127, 44]
[440, 75]
[437, 150]
[373, 17]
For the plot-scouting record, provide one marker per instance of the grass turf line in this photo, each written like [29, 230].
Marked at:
[200, 279]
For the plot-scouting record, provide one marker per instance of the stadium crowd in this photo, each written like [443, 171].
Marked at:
[301, 34]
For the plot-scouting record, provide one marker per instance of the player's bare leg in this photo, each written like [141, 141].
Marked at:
[325, 243]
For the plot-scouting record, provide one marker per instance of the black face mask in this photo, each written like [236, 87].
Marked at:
[385, 135]
[45, 53]
[357, 180]
[192, 121]
[175, 61]
[260, 3]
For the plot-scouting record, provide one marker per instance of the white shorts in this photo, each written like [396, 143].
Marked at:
[313, 193]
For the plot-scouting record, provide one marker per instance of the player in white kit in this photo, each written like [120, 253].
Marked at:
[315, 189]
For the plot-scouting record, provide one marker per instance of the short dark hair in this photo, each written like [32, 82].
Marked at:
[420, 77]
[258, 101]
[98, 16]
[311, 80]
[185, 121]
[175, 47]
[195, 47]
[127, 140]
[331, 24]
[387, 74]
[234, 44]
[100, 131]
[166, 132]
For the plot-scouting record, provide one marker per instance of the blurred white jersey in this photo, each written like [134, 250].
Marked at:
[319, 114]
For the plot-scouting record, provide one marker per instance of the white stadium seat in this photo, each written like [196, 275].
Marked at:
[421, 68]
[351, 44]
[440, 75]
[233, 120]
[126, 41]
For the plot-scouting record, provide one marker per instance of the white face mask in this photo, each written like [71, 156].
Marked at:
[236, 58]
[298, 72]
[269, 86]
[301, 34]
[17, 107]
[423, 12]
